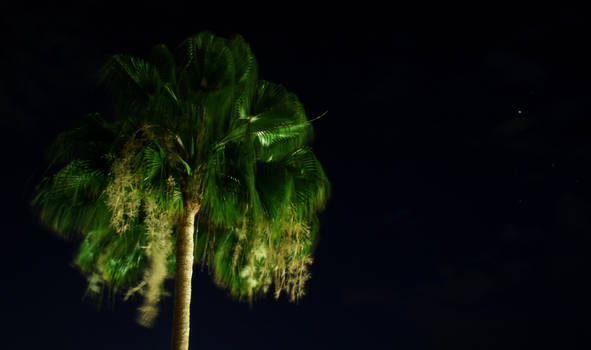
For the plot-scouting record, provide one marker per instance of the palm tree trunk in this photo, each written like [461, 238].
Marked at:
[183, 274]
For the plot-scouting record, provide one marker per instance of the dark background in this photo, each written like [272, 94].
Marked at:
[457, 141]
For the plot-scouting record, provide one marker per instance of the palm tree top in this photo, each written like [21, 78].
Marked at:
[194, 131]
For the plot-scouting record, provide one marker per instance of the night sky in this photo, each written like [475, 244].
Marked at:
[458, 144]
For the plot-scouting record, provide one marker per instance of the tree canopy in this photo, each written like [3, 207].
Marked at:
[196, 127]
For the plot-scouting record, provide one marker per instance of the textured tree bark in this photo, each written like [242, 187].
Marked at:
[183, 275]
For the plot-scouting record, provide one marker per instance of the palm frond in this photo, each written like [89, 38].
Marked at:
[163, 60]
[112, 259]
[133, 81]
[312, 187]
[90, 139]
[246, 77]
[153, 164]
[69, 201]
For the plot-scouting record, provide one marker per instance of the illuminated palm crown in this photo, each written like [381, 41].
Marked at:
[201, 128]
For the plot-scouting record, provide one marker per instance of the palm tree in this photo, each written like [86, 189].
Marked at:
[204, 162]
